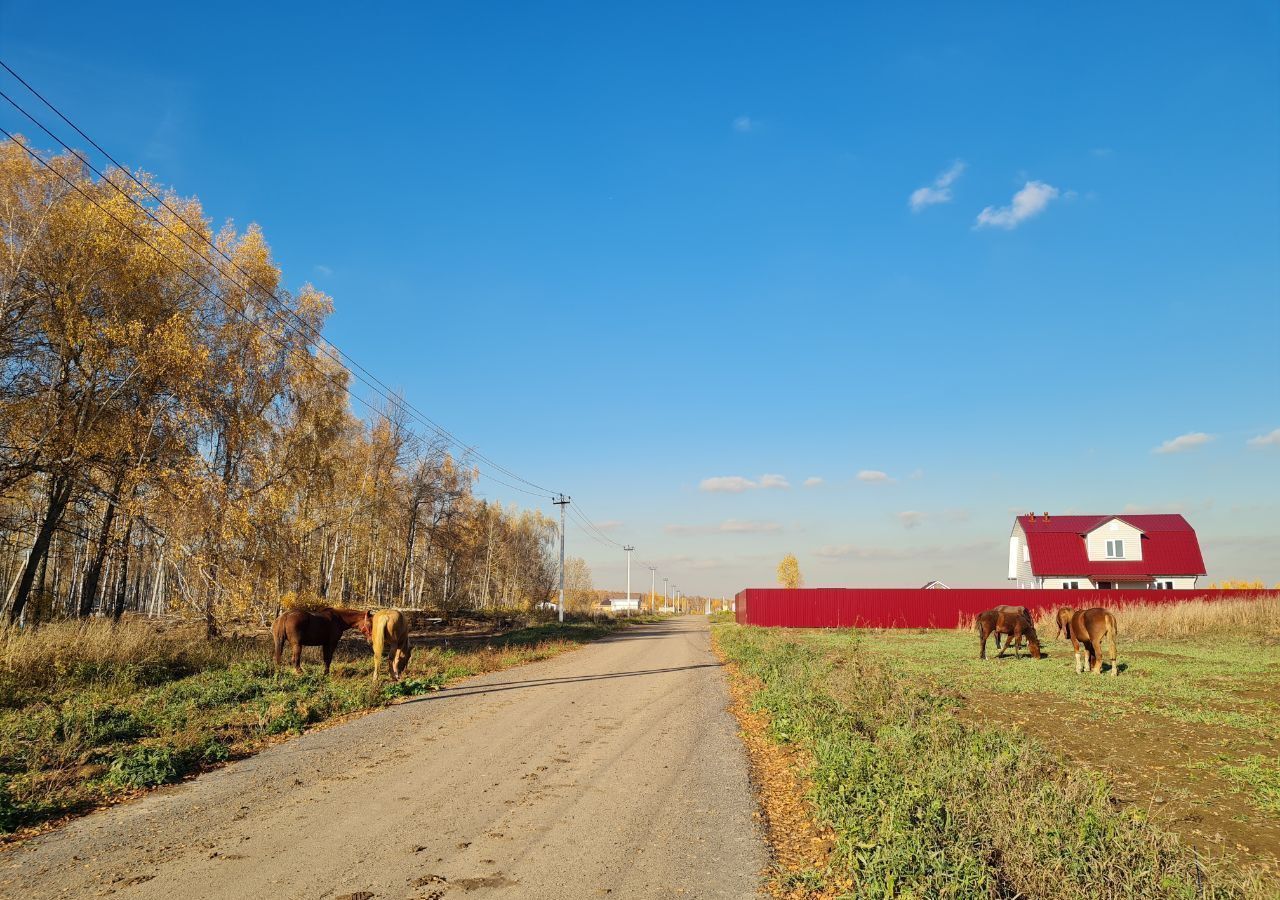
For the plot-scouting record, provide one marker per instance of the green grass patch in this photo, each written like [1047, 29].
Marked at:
[925, 804]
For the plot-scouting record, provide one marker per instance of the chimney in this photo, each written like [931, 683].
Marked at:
[1046, 517]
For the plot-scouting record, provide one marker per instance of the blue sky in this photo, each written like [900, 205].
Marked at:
[626, 250]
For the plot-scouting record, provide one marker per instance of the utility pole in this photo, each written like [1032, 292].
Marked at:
[561, 502]
[653, 593]
[666, 592]
[628, 548]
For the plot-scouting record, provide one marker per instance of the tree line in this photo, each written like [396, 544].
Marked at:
[175, 435]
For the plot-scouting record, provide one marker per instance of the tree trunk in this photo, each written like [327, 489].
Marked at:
[59, 494]
[122, 587]
[93, 578]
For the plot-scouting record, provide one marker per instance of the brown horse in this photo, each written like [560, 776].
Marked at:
[390, 628]
[1013, 611]
[1014, 624]
[1088, 628]
[321, 627]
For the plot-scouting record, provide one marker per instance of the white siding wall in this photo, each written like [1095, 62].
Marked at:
[1180, 582]
[1082, 583]
[1021, 563]
[1096, 540]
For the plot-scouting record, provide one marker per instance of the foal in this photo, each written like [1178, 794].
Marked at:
[390, 629]
[1088, 627]
[321, 627]
[1015, 625]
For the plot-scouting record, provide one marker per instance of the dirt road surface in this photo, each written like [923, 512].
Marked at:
[613, 771]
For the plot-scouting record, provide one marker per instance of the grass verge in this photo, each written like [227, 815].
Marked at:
[91, 713]
[922, 803]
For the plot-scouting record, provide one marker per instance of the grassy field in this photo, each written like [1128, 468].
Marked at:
[937, 775]
[91, 712]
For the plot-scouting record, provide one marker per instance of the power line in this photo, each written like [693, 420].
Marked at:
[275, 306]
[345, 358]
[319, 341]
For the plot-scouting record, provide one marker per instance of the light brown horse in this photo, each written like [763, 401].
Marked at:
[321, 627]
[390, 629]
[1014, 624]
[1088, 628]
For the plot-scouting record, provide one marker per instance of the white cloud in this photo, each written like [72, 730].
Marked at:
[911, 518]
[916, 475]
[939, 191]
[735, 526]
[874, 476]
[1184, 442]
[1266, 440]
[744, 124]
[324, 270]
[856, 551]
[736, 484]
[609, 525]
[1028, 202]
[728, 526]
[813, 481]
[727, 484]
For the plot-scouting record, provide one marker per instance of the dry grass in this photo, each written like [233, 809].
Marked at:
[91, 712]
[1258, 617]
[801, 848]
[96, 650]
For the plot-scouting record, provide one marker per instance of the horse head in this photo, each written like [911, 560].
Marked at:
[1033, 642]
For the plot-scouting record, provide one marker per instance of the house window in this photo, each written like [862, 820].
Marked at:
[1071, 585]
[1164, 585]
[1115, 549]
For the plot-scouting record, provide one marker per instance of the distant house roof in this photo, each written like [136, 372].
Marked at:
[1169, 546]
[935, 584]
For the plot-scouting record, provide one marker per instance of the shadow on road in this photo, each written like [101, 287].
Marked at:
[471, 690]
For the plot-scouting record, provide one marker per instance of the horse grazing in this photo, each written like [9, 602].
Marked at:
[1088, 628]
[1014, 624]
[1013, 611]
[390, 628]
[321, 627]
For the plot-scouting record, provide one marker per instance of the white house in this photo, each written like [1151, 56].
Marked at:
[1104, 552]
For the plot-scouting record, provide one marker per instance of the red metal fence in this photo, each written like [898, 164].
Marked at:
[938, 608]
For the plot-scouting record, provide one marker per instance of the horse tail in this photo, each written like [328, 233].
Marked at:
[379, 632]
[278, 636]
[1112, 631]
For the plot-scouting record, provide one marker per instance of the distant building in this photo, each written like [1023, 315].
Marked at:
[1104, 552]
[935, 585]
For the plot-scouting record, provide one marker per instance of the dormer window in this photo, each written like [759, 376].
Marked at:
[1115, 549]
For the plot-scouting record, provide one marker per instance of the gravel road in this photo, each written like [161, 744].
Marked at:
[612, 771]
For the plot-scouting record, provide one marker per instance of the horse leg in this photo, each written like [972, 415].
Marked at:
[1075, 645]
[983, 634]
[328, 656]
[377, 655]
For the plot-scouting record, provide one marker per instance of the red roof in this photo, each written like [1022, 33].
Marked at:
[1169, 547]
